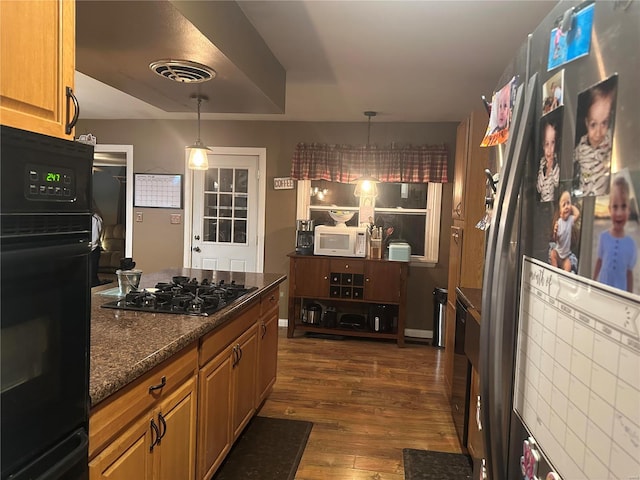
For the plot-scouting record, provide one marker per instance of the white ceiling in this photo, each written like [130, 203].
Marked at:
[411, 61]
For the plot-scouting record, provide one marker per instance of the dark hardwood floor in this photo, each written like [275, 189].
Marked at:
[367, 400]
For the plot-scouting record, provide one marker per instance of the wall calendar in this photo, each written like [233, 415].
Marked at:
[158, 190]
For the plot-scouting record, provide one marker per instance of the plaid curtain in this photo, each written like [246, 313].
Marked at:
[345, 163]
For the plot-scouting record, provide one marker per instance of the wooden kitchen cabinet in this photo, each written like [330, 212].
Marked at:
[37, 66]
[459, 173]
[267, 344]
[309, 275]
[148, 430]
[466, 251]
[244, 380]
[350, 285]
[227, 388]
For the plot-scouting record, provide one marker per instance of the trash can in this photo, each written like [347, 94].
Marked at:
[439, 305]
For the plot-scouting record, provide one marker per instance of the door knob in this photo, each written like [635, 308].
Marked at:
[196, 249]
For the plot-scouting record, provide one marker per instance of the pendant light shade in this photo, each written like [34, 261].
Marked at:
[366, 186]
[198, 153]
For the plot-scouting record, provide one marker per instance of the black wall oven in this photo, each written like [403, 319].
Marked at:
[45, 223]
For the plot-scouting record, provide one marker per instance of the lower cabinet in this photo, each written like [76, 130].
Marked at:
[227, 388]
[160, 444]
[267, 345]
[180, 420]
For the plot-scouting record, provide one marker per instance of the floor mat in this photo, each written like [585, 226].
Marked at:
[430, 465]
[268, 449]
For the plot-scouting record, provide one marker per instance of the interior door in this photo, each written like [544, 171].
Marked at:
[225, 214]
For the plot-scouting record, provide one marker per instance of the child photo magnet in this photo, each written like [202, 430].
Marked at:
[548, 177]
[564, 242]
[594, 138]
[616, 233]
[571, 36]
[500, 118]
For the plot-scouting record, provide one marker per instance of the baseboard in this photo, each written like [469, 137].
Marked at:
[415, 333]
[408, 332]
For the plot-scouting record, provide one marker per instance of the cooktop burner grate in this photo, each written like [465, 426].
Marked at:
[182, 296]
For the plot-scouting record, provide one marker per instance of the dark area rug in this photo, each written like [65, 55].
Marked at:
[430, 465]
[268, 449]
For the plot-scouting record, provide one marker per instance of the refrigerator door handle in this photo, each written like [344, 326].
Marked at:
[493, 297]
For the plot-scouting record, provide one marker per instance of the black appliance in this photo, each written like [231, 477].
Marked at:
[45, 224]
[353, 321]
[304, 237]
[184, 296]
[381, 318]
[329, 318]
[461, 382]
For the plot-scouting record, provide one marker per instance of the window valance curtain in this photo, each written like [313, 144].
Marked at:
[346, 163]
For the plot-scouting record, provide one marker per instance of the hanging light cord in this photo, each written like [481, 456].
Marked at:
[199, 102]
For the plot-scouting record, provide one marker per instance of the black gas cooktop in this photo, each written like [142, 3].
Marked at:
[183, 296]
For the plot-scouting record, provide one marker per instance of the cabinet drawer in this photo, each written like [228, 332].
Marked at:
[218, 339]
[346, 265]
[269, 300]
[116, 412]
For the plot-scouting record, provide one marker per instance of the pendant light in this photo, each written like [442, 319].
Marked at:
[197, 153]
[366, 186]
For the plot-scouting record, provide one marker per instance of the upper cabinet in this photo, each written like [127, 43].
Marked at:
[471, 160]
[37, 64]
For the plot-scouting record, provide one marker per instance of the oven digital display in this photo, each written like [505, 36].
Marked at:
[53, 177]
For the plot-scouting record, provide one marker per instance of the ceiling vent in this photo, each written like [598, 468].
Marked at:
[183, 71]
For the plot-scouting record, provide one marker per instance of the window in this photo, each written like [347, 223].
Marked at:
[408, 212]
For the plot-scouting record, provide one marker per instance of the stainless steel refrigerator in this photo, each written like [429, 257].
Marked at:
[560, 331]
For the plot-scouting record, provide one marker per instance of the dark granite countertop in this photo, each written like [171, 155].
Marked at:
[471, 297]
[126, 344]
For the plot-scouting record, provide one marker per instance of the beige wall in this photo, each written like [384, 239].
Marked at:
[158, 147]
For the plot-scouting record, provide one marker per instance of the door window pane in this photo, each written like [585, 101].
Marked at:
[226, 180]
[240, 231]
[224, 231]
[242, 180]
[211, 181]
[210, 205]
[240, 206]
[210, 230]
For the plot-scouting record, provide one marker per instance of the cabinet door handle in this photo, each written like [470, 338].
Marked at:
[264, 329]
[234, 354]
[239, 353]
[458, 209]
[76, 113]
[163, 424]
[478, 415]
[272, 299]
[163, 382]
[154, 429]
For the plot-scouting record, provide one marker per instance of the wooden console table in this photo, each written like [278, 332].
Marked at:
[355, 288]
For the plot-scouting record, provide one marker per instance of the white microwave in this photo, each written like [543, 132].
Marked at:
[340, 241]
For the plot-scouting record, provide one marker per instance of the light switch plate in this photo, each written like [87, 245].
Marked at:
[138, 216]
[176, 218]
